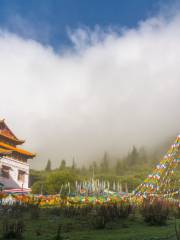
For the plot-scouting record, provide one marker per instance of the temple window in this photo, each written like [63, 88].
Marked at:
[5, 171]
[21, 175]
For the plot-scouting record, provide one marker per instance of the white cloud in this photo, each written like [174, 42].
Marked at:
[114, 91]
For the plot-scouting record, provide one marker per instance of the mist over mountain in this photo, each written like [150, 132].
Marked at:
[112, 90]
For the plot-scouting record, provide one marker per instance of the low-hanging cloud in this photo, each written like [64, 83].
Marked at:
[111, 91]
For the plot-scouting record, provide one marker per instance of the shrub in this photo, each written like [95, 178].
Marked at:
[58, 234]
[97, 219]
[105, 213]
[13, 230]
[155, 211]
[34, 212]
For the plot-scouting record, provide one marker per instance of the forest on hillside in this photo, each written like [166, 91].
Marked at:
[129, 171]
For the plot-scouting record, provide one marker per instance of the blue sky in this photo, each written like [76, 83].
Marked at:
[47, 21]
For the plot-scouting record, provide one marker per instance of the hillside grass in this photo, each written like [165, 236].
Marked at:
[45, 227]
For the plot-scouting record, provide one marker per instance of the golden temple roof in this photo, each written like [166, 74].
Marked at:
[7, 133]
[18, 150]
[5, 151]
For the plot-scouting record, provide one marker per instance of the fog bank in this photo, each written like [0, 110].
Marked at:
[111, 91]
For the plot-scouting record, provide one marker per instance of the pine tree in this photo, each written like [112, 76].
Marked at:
[119, 168]
[73, 164]
[105, 163]
[95, 167]
[48, 166]
[133, 157]
[62, 165]
[143, 155]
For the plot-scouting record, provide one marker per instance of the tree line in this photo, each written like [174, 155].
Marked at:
[130, 170]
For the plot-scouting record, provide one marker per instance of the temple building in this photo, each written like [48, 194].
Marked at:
[14, 168]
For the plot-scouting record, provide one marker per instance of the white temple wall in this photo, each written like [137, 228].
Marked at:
[15, 166]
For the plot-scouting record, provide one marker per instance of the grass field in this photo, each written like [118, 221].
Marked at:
[44, 226]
